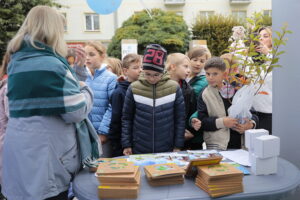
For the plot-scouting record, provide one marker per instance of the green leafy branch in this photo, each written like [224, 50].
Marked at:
[255, 73]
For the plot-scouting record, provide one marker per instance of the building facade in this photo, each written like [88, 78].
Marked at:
[84, 24]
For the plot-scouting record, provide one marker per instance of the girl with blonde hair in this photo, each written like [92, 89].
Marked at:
[103, 83]
[115, 66]
[47, 129]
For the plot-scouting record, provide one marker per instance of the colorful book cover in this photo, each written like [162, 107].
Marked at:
[142, 159]
[220, 170]
[115, 167]
[104, 160]
[203, 159]
[164, 170]
[240, 167]
[161, 158]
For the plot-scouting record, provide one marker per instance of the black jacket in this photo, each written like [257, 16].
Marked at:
[153, 117]
[115, 129]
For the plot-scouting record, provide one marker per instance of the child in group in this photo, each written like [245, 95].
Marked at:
[132, 67]
[114, 65]
[153, 113]
[220, 131]
[103, 83]
[196, 79]
[178, 66]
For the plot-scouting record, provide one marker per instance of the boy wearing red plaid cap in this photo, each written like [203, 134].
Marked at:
[153, 112]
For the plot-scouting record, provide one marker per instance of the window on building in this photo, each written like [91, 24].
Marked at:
[66, 22]
[92, 22]
[241, 15]
[206, 14]
[137, 12]
[177, 12]
[180, 13]
[268, 13]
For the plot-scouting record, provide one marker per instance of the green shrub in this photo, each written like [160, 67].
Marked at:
[165, 28]
[12, 14]
[267, 21]
[216, 29]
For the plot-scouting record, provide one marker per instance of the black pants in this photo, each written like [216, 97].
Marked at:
[1, 195]
[61, 196]
[265, 121]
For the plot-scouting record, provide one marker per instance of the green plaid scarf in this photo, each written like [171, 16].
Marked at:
[48, 86]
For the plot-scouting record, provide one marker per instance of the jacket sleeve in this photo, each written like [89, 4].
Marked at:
[104, 124]
[254, 118]
[127, 119]
[115, 128]
[207, 123]
[82, 113]
[194, 115]
[192, 110]
[81, 72]
[179, 114]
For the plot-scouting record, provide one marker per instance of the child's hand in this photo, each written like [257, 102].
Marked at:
[230, 122]
[241, 128]
[188, 135]
[176, 149]
[81, 83]
[127, 151]
[196, 124]
[102, 138]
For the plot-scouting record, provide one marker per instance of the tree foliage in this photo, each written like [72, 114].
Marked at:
[165, 28]
[256, 73]
[216, 30]
[12, 14]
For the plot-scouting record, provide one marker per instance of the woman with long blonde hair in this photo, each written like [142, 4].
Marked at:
[262, 102]
[47, 107]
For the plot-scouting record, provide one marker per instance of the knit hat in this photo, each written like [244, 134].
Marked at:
[154, 58]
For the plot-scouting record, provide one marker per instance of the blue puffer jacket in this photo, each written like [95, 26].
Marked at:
[153, 117]
[103, 84]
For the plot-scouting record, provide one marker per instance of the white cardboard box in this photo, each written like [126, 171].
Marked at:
[266, 146]
[251, 134]
[263, 166]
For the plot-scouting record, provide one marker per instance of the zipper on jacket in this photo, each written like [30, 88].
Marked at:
[153, 118]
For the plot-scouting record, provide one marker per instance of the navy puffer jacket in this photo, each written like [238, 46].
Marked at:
[153, 117]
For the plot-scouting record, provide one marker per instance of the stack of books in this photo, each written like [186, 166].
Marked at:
[164, 174]
[202, 159]
[118, 179]
[219, 180]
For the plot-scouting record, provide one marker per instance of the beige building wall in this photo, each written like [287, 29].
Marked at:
[75, 11]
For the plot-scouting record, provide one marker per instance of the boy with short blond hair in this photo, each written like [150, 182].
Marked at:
[153, 113]
[178, 66]
[132, 67]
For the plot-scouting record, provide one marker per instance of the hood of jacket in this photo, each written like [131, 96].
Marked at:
[162, 81]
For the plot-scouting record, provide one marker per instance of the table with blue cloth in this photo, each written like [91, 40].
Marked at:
[282, 185]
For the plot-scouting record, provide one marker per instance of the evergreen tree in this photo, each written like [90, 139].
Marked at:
[12, 14]
[165, 28]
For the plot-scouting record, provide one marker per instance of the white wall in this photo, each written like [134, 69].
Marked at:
[76, 22]
[286, 82]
